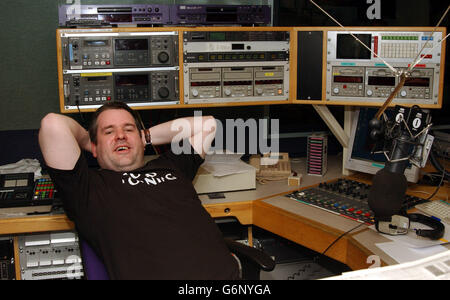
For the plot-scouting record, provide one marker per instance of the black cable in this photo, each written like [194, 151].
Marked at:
[341, 236]
[438, 186]
[435, 162]
[81, 115]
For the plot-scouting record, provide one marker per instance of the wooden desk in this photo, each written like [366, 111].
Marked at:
[317, 229]
[240, 204]
[266, 207]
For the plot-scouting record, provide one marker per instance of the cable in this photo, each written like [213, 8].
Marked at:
[434, 161]
[438, 186]
[81, 115]
[302, 270]
[423, 192]
[341, 236]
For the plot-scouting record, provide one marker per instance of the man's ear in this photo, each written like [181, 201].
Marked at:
[143, 138]
[94, 149]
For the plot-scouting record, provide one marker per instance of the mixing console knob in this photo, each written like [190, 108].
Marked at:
[227, 92]
[369, 93]
[259, 91]
[163, 57]
[194, 92]
[163, 92]
[403, 93]
[336, 90]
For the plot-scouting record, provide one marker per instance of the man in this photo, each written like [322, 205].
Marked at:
[144, 220]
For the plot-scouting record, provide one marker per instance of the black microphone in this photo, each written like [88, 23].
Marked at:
[389, 184]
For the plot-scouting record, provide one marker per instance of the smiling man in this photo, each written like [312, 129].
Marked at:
[118, 143]
[144, 220]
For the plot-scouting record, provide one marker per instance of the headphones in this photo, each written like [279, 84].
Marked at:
[438, 228]
[400, 225]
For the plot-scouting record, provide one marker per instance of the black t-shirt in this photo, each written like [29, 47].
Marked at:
[148, 223]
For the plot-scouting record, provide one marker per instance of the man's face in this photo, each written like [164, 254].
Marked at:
[119, 145]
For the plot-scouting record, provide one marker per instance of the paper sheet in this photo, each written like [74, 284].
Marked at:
[224, 164]
[402, 253]
[410, 247]
[436, 266]
[26, 165]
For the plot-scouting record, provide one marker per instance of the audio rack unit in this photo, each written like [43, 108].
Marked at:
[244, 15]
[7, 262]
[355, 72]
[133, 66]
[54, 255]
[89, 50]
[365, 72]
[100, 15]
[176, 67]
[144, 87]
[159, 14]
[223, 66]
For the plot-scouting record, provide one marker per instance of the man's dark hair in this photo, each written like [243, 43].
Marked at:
[107, 106]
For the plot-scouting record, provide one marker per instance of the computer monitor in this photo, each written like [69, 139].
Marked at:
[360, 157]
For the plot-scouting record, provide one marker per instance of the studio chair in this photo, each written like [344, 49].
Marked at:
[93, 266]
[252, 261]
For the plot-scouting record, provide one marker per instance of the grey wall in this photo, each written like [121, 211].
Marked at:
[28, 73]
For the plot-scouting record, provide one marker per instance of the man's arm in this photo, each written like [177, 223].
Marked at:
[61, 139]
[200, 130]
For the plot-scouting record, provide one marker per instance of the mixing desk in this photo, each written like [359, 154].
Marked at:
[345, 197]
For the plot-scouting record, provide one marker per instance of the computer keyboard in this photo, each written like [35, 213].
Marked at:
[437, 208]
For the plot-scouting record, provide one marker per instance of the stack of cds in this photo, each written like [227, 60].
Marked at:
[317, 155]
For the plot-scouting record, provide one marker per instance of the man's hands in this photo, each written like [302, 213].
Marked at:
[200, 130]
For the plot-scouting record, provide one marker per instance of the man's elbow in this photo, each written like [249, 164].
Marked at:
[50, 120]
[53, 125]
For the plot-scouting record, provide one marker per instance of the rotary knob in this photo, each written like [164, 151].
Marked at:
[163, 57]
[163, 92]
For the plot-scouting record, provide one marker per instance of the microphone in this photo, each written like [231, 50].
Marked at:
[389, 184]
[406, 139]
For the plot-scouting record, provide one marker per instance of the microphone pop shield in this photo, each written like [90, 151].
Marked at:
[387, 194]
